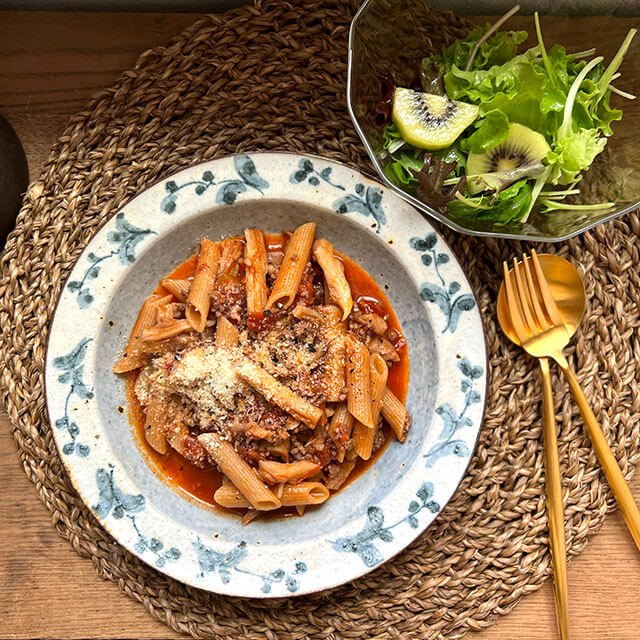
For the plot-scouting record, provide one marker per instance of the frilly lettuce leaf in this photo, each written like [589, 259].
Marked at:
[490, 132]
[591, 108]
[520, 89]
[574, 154]
[509, 205]
[390, 134]
[399, 170]
[405, 162]
[498, 49]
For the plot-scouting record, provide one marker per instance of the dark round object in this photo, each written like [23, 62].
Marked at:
[14, 178]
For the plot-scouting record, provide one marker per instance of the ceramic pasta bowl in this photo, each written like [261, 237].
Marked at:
[385, 508]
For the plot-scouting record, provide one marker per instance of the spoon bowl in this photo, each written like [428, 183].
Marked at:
[567, 290]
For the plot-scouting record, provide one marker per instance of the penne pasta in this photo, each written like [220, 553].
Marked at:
[232, 250]
[339, 289]
[291, 472]
[341, 424]
[282, 390]
[396, 414]
[133, 358]
[340, 429]
[341, 477]
[226, 334]
[249, 516]
[276, 393]
[178, 288]
[198, 301]
[255, 259]
[154, 428]
[166, 329]
[293, 265]
[305, 493]
[379, 375]
[334, 334]
[176, 437]
[362, 435]
[280, 449]
[243, 476]
[359, 382]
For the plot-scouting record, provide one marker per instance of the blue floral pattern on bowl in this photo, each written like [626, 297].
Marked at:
[263, 559]
[307, 171]
[225, 563]
[112, 501]
[366, 201]
[452, 421]
[227, 190]
[72, 368]
[442, 293]
[125, 237]
[363, 542]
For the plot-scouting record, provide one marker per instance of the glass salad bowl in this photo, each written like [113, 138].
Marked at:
[390, 38]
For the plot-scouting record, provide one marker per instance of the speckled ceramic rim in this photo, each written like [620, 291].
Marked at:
[315, 564]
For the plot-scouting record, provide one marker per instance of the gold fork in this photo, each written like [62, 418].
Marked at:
[528, 322]
[548, 341]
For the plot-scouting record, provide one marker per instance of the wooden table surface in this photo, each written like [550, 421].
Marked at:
[51, 63]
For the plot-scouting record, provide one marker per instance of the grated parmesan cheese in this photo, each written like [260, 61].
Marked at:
[206, 375]
[142, 386]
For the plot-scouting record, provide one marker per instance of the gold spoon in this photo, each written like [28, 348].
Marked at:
[564, 305]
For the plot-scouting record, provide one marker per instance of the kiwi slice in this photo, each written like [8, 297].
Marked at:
[428, 121]
[519, 156]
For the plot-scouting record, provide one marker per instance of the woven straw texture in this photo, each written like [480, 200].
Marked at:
[273, 77]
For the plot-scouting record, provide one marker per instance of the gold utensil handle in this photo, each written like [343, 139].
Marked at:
[616, 480]
[554, 503]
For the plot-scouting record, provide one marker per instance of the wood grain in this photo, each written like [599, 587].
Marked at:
[51, 64]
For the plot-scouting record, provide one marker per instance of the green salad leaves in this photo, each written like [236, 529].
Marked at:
[495, 51]
[563, 96]
[510, 204]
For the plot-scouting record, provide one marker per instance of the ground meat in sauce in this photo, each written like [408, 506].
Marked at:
[229, 299]
[293, 351]
[372, 330]
[274, 261]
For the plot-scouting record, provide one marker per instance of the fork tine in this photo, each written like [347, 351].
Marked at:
[512, 304]
[523, 294]
[548, 302]
[543, 323]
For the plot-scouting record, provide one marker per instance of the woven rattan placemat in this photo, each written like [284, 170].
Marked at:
[273, 77]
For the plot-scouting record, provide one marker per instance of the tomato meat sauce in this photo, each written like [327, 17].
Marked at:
[199, 485]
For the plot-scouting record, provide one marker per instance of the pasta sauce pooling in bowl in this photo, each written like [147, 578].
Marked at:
[266, 373]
